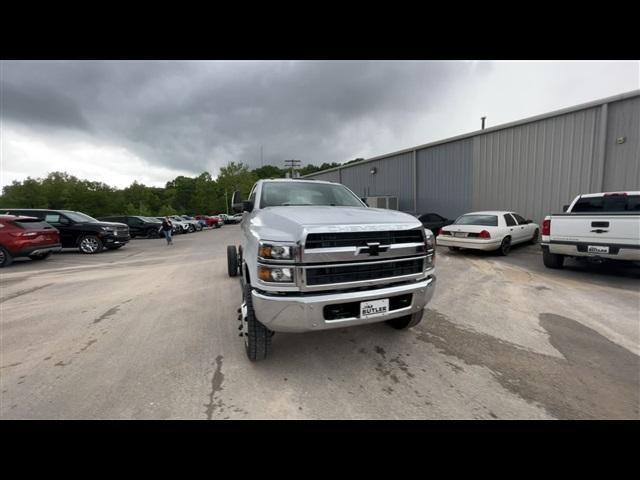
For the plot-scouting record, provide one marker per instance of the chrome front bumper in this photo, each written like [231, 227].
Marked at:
[305, 313]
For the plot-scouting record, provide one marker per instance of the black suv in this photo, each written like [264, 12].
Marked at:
[78, 230]
[138, 226]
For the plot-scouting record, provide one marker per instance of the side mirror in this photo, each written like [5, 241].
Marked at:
[528, 221]
[565, 208]
[65, 221]
[238, 205]
[364, 200]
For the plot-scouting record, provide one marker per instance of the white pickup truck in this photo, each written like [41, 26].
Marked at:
[597, 226]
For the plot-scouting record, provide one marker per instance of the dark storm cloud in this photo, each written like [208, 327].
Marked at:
[199, 115]
[40, 105]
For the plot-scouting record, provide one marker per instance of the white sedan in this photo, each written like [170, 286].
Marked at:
[488, 231]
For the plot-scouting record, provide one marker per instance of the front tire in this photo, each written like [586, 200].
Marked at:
[534, 239]
[90, 244]
[5, 258]
[505, 246]
[408, 321]
[257, 337]
[232, 261]
[552, 260]
[152, 233]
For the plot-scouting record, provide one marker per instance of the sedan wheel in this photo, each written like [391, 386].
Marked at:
[534, 239]
[90, 244]
[505, 246]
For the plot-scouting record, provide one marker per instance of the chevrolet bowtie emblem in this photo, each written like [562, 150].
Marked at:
[373, 249]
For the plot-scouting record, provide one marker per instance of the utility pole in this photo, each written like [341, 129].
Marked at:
[292, 164]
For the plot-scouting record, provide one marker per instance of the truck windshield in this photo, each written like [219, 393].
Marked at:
[485, 220]
[276, 194]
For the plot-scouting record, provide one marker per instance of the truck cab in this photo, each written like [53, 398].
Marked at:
[313, 256]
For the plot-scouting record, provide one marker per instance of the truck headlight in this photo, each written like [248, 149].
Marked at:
[429, 239]
[275, 274]
[430, 247]
[276, 252]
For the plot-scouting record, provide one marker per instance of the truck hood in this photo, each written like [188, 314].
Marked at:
[291, 223]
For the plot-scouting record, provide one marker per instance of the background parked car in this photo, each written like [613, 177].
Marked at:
[494, 230]
[78, 230]
[434, 222]
[26, 237]
[225, 218]
[179, 225]
[138, 226]
[211, 221]
[197, 225]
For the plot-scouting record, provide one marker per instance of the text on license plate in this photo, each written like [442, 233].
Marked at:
[460, 234]
[596, 249]
[374, 307]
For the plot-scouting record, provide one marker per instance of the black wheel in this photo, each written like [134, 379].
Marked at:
[407, 321]
[152, 233]
[552, 260]
[90, 244]
[257, 337]
[40, 256]
[5, 258]
[217, 225]
[191, 228]
[505, 246]
[534, 239]
[232, 261]
[454, 249]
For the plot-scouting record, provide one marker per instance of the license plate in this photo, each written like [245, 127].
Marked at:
[460, 234]
[373, 308]
[595, 249]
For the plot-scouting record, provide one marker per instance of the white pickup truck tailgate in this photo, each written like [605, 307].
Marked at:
[609, 229]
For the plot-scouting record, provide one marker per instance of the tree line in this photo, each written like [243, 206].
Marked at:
[201, 194]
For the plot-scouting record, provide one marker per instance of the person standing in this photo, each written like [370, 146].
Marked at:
[167, 228]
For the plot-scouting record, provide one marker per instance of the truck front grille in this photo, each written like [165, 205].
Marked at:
[360, 239]
[356, 273]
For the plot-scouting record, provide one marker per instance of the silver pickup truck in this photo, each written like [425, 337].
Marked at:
[313, 256]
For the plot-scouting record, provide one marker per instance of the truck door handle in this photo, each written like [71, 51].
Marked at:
[600, 224]
[599, 231]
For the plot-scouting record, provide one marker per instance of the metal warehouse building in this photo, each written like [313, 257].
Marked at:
[533, 166]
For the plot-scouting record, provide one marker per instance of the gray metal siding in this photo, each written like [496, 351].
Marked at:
[445, 178]
[333, 176]
[394, 176]
[535, 168]
[622, 161]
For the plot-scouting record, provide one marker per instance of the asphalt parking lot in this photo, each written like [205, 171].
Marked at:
[150, 332]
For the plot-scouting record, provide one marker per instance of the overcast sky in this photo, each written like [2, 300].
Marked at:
[120, 121]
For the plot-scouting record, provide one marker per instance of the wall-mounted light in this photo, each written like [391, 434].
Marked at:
[373, 170]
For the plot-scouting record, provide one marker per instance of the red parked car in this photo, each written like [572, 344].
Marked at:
[26, 237]
[211, 221]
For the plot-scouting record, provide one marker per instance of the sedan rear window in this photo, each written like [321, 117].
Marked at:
[484, 220]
